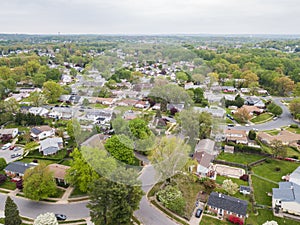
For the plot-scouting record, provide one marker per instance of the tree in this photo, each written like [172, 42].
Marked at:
[2, 163]
[46, 219]
[121, 148]
[284, 85]
[205, 122]
[209, 184]
[252, 135]
[139, 129]
[168, 156]
[275, 109]
[198, 78]
[242, 115]
[278, 148]
[85, 102]
[11, 106]
[36, 98]
[235, 220]
[52, 91]
[249, 78]
[230, 187]
[11, 213]
[2, 178]
[294, 107]
[81, 174]
[113, 203]
[171, 197]
[39, 79]
[19, 184]
[39, 183]
[182, 77]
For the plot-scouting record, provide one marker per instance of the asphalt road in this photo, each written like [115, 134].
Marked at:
[147, 213]
[32, 209]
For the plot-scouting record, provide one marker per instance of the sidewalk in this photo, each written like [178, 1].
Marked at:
[66, 195]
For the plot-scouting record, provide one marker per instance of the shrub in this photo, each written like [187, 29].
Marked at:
[252, 135]
[235, 220]
[277, 169]
[244, 177]
[2, 163]
[2, 178]
[19, 184]
[295, 126]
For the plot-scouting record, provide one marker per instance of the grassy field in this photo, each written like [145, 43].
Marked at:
[29, 160]
[272, 132]
[292, 152]
[262, 118]
[8, 185]
[59, 193]
[241, 158]
[207, 220]
[264, 215]
[261, 188]
[294, 130]
[268, 170]
[77, 193]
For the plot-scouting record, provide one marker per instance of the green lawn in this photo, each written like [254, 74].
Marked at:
[264, 215]
[77, 193]
[60, 155]
[29, 160]
[241, 158]
[292, 152]
[262, 118]
[59, 193]
[294, 130]
[272, 132]
[8, 185]
[207, 220]
[220, 179]
[261, 187]
[268, 170]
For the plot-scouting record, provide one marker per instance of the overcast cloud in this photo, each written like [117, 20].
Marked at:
[150, 16]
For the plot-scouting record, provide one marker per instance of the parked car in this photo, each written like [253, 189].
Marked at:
[60, 217]
[15, 155]
[12, 147]
[17, 149]
[6, 146]
[230, 125]
[275, 118]
[198, 213]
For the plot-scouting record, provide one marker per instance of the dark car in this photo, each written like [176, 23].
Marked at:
[15, 155]
[60, 217]
[198, 213]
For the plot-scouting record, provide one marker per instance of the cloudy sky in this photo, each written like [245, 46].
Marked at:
[150, 16]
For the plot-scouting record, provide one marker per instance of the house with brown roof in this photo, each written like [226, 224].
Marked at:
[106, 101]
[205, 166]
[236, 136]
[285, 136]
[251, 109]
[59, 172]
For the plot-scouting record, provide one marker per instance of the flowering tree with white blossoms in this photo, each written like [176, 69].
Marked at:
[46, 219]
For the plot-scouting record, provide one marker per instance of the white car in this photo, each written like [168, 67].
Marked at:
[247, 125]
[6, 146]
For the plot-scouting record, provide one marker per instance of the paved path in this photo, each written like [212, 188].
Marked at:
[66, 195]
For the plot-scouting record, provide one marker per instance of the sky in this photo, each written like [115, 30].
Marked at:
[150, 16]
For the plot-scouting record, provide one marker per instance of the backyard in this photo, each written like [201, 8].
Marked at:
[241, 158]
[207, 220]
[262, 118]
[261, 189]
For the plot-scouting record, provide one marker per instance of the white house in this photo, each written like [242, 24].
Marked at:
[38, 111]
[51, 146]
[42, 132]
[12, 131]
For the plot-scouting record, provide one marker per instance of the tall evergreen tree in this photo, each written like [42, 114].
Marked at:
[11, 213]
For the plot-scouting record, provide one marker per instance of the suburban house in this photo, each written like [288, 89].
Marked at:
[142, 104]
[294, 177]
[251, 110]
[127, 102]
[17, 169]
[215, 112]
[286, 198]
[179, 106]
[255, 101]
[205, 166]
[12, 132]
[61, 113]
[236, 136]
[38, 111]
[229, 89]
[42, 132]
[224, 206]
[206, 145]
[59, 172]
[51, 146]
[246, 190]
[287, 138]
[106, 101]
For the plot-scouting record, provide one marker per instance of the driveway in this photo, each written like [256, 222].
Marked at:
[6, 154]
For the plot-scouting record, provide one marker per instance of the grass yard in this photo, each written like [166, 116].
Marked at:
[59, 193]
[292, 152]
[8, 185]
[207, 220]
[77, 193]
[294, 130]
[241, 158]
[264, 215]
[272, 132]
[60, 155]
[29, 160]
[220, 179]
[268, 170]
[262, 118]
[261, 187]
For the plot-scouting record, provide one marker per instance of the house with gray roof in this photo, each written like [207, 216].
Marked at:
[51, 146]
[286, 198]
[17, 169]
[294, 177]
[224, 205]
[206, 145]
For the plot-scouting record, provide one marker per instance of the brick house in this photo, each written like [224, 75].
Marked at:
[225, 206]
